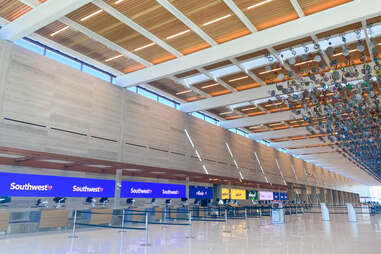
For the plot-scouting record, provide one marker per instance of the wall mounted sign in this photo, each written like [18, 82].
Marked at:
[26, 185]
[199, 192]
[283, 196]
[224, 193]
[266, 195]
[238, 194]
[152, 190]
[276, 196]
[252, 195]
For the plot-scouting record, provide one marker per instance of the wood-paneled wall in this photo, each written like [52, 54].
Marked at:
[47, 106]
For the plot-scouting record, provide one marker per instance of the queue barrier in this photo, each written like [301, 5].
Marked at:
[4, 220]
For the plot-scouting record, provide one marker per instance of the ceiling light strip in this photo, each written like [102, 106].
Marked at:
[265, 72]
[113, 58]
[258, 4]
[119, 1]
[217, 20]
[240, 78]
[145, 46]
[208, 86]
[178, 34]
[184, 92]
[91, 15]
[59, 31]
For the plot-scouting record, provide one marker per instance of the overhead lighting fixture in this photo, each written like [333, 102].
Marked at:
[113, 58]
[264, 72]
[350, 51]
[310, 61]
[91, 15]
[259, 4]
[208, 86]
[225, 113]
[183, 92]
[145, 46]
[59, 31]
[247, 109]
[119, 1]
[240, 78]
[178, 34]
[217, 19]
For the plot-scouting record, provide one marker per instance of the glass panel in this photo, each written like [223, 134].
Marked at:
[166, 102]
[96, 73]
[62, 59]
[198, 115]
[147, 94]
[31, 46]
[132, 88]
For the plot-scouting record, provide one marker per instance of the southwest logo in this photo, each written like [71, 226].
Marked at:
[140, 191]
[30, 187]
[87, 189]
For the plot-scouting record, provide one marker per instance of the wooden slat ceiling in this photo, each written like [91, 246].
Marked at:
[313, 6]
[12, 9]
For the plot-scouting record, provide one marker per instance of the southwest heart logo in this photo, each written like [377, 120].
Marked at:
[50, 187]
[101, 189]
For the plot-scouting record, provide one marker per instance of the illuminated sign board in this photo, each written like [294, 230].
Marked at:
[266, 195]
[224, 193]
[26, 185]
[252, 195]
[198, 192]
[276, 196]
[151, 190]
[238, 194]
[283, 196]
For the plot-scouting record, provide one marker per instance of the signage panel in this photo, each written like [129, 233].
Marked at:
[276, 196]
[283, 196]
[238, 194]
[224, 193]
[252, 195]
[26, 185]
[198, 192]
[266, 195]
[151, 190]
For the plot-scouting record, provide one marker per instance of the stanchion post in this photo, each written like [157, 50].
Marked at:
[226, 222]
[247, 220]
[122, 230]
[74, 222]
[146, 232]
[190, 234]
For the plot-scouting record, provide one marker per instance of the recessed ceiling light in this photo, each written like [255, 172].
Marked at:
[236, 79]
[178, 34]
[183, 92]
[113, 58]
[145, 46]
[208, 86]
[247, 109]
[91, 15]
[217, 19]
[59, 31]
[225, 113]
[350, 51]
[310, 61]
[259, 4]
[119, 1]
[264, 72]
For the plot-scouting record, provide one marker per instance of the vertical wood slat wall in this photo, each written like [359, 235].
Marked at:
[50, 107]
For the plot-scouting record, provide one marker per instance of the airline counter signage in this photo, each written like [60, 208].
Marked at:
[25, 185]
[283, 196]
[151, 190]
[252, 195]
[276, 196]
[224, 193]
[238, 194]
[198, 192]
[266, 195]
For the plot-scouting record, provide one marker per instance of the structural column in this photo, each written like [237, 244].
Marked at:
[291, 194]
[329, 197]
[313, 196]
[118, 184]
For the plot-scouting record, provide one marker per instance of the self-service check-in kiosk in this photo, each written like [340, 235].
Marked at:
[277, 215]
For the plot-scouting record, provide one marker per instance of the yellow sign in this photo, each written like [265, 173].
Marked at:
[225, 193]
[238, 194]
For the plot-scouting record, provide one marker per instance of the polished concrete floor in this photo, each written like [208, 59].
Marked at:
[301, 234]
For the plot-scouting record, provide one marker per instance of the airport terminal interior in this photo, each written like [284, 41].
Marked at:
[190, 126]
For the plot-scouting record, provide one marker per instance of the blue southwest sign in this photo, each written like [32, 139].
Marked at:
[151, 190]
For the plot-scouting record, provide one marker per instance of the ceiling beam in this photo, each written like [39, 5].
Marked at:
[237, 11]
[297, 8]
[39, 17]
[367, 40]
[279, 133]
[127, 21]
[189, 23]
[349, 13]
[256, 120]
[248, 73]
[111, 45]
[322, 52]
[218, 80]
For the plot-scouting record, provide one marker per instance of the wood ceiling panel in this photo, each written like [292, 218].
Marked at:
[171, 87]
[240, 81]
[187, 74]
[293, 43]
[268, 15]
[202, 12]
[252, 55]
[12, 9]
[119, 33]
[270, 77]
[340, 30]
[86, 46]
[156, 19]
[218, 65]
[212, 88]
[374, 20]
[313, 6]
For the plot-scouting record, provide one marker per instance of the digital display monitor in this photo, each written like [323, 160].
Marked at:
[26, 185]
[224, 193]
[152, 190]
[266, 195]
[276, 196]
[199, 192]
[238, 194]
[252, 195]
[283, 196]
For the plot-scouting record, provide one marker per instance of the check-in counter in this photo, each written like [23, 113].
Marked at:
[53, 218]
[158, 214]
[4, 221]
[101, 216]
